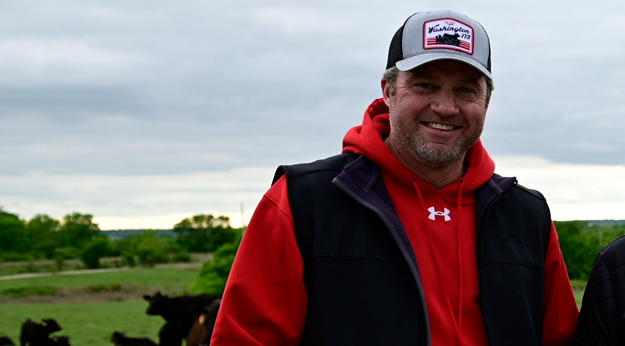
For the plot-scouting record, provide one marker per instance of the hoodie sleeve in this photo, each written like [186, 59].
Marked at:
[560, 308]
[265, 299]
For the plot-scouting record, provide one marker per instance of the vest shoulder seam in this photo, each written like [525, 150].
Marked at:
[532, 192]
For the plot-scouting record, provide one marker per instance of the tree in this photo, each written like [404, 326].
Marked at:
[214, 273]
[77, 230]
[204, 233]
[13, 237]
[154, 248]
[95, 250]
[127, 249]
[149, 247]
[42, 231]
[578, 249]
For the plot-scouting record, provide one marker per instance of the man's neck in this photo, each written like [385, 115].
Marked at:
[438, 175]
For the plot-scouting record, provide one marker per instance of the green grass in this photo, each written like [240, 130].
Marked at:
[87, 323]
[92, 323]
[95, 316]
[578, 290]
[169, 279]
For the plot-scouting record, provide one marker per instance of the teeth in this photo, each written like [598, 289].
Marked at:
[440, 126]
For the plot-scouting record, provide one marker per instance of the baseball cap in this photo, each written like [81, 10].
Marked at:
[437, 35]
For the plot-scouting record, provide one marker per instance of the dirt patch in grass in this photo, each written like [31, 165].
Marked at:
[49, 266]
[82, 294]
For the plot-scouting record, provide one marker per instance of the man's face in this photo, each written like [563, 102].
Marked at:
[437, 112]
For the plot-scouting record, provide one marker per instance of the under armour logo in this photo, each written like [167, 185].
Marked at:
[434, 213]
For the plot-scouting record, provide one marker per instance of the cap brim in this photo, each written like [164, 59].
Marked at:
[420, 59]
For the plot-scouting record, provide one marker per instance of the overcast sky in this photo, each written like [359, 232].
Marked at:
[142, 113]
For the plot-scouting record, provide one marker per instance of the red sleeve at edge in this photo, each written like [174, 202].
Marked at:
[265, 299]
[560, 308]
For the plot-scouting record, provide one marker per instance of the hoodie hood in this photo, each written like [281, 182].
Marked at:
[437, 221]
[368, 139]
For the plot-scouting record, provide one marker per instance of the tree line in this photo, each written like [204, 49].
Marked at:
[580, 241]
[76, 236]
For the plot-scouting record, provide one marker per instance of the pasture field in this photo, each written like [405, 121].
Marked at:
[169, 278]
[85, 323]
[90, 307]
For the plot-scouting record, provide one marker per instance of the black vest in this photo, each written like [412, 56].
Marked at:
[602, 317]
[361, 273]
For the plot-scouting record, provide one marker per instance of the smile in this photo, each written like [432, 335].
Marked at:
[440, 126]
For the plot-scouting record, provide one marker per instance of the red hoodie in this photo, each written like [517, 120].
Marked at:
[265, 299]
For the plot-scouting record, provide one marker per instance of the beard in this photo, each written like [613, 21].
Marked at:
[413, 143]
[437, 156]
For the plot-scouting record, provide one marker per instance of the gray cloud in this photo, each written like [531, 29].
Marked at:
[116, 88]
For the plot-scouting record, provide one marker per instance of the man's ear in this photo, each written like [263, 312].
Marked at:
[386, 91]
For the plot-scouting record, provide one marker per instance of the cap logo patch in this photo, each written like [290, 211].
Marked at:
[448, 33]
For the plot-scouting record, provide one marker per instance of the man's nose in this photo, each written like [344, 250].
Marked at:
[444, 103]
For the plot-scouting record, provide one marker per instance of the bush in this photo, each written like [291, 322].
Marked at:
[214, 273]
[153, 249]
[182, 256]
[95, 250]
[128, 258]
[62, 254]
[45, 249]
[14, 256]
[147, 248]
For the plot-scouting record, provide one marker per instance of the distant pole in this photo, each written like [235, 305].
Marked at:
[600, 240]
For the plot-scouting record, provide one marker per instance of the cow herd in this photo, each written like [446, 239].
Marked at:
[38, 334]
[188, 318]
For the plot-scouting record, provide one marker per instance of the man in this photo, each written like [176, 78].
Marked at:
[602, 317]
[408, 237]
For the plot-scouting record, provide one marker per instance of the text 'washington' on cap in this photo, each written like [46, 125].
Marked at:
[438, 35]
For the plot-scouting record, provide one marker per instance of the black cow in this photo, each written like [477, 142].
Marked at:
[448, 39]
[170, 334]
[6, 341]
[202, 330]
[37, 334]
[58, 341]
[120, 339]
[177, 313]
